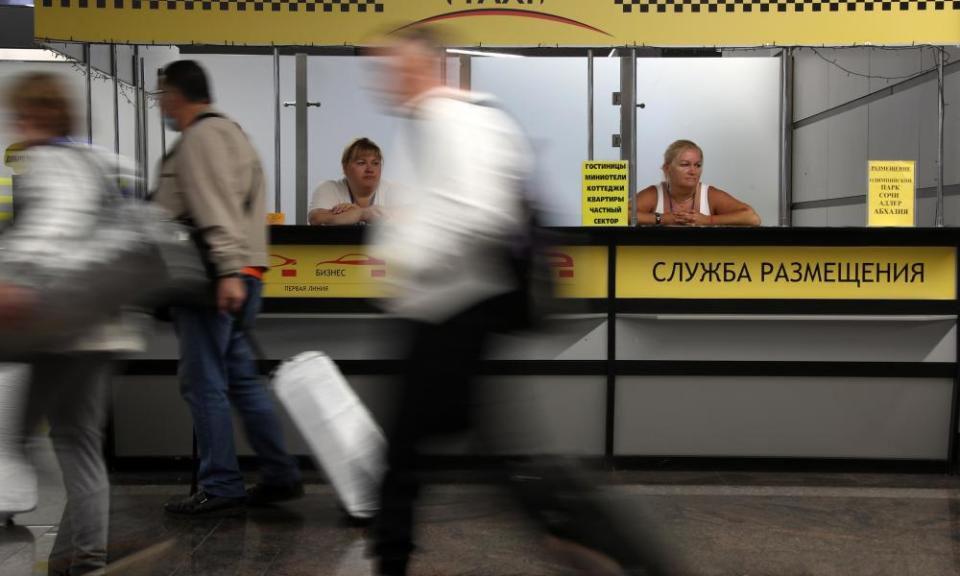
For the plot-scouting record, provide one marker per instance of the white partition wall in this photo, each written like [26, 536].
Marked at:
[730, 107]
[548, 97]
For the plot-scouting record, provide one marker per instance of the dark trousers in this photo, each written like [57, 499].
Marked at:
[70, 390]
[435, 396]
[438, 392]
[217, 371]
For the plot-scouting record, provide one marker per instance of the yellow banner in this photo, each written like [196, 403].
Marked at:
[580, 271]
[308, 271]
[605, 193]
[891, 193]
[795, 272]
[504, 22]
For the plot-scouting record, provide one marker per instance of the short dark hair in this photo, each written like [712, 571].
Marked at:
[189, 78]
[357, 147]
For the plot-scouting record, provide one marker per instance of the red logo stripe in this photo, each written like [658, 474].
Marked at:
[504, 12]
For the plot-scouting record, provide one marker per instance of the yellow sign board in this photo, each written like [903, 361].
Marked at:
[801, 272]
[606, 193]
[307, 271]
[13, 156]
[579, 271]
[503, 22]
[324, 272]
[891, 193]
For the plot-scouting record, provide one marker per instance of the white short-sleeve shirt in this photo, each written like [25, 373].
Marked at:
[333, 192]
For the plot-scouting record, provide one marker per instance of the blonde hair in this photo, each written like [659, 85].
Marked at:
[676, 148]
[42, 99]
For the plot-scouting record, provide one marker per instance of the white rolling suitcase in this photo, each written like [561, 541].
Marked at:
[344, 438]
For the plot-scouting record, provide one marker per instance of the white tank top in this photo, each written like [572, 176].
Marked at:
[703, 198]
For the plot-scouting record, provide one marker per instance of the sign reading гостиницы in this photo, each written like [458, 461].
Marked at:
[606, 193]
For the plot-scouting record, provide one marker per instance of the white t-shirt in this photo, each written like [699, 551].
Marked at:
[333, 192]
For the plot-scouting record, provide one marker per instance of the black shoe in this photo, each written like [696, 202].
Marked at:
[206, 505]
[265, 494]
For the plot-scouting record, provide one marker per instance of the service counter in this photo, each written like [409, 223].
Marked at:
[818, 343]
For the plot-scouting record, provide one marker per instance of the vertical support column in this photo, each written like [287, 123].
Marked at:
[609, 448]
[144, 132]
[302, 142]
[163, 126]
[466, 76]
[786, 137]
[137, 120]
[590, 106]
[115, 72]
[628, 121]
[952, 432]
[940, 105]
[89, 91]
[277, 200]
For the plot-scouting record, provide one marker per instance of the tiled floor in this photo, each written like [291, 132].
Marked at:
[719, 523]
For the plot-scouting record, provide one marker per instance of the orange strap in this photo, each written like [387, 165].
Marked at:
[255, 271]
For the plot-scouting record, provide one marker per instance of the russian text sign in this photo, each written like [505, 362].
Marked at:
[606, 193]
[305, 271]
[891, 193]
[795, 272]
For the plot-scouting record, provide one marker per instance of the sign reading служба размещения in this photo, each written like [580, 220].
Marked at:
[606, 193]
[787, 272]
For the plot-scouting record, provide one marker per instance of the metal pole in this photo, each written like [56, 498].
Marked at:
[590, 112]
[145, 132]
[163, 126]
[116, 98]
[89, 87]
[786, 137]
[302, 141]
[466, 74]
[277, 200]
[940, 105]
[628, 121]
[137, 118]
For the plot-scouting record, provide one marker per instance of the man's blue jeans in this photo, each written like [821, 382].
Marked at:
[217, 369]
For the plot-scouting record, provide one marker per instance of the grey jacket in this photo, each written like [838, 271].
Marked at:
[58, 201]
[213, 177]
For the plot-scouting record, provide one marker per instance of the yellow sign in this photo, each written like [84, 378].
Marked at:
[6, 200]
[306, 271]
[579, 271]
[606, 193]
[503, 22]
[802, 272]
[276, 218]
[324, 272]
[13, 157]
[892, 193]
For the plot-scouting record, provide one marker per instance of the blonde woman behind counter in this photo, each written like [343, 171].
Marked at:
[682, 200]
[360, 196]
